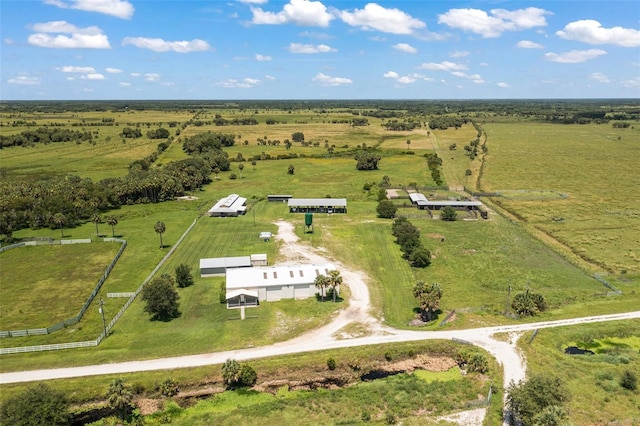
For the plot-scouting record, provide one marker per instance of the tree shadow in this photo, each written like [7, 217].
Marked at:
[166, 317]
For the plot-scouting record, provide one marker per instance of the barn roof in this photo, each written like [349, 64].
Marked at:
[452, 203]
[225, 262]
[317, 202]
[241, 291]
[275, 276]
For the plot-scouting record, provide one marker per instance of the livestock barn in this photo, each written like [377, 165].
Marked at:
[217, 266]
[317, 205]
[275, 283]
[231, 206]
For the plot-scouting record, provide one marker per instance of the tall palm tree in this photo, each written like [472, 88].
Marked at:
[119, 396]
[230, 372]
[59, 220]
[321, 282]
[240, 167]
[160, 227]
[112, 221]
[335, 280]
[96, 219]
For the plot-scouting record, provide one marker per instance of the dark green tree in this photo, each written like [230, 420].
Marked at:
[183, 275]
[247, 376]
[367, 161]
[386, 209]
[241, 168]
[161, 298]
[160, 228]
[420, 257]
[448, 214]
[96, 219]
[528, 399]
[428, 296]
[528, 303]
[291, 170]
[297, 137]
[36, 405]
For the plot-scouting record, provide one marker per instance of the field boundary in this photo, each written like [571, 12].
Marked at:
[108, 327]
[85, 306]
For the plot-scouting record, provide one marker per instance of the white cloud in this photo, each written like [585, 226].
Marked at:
[93, 76]
[8, 40]
[574, 56]
[88, 89]
[262, 58]
[526, 44]
[24, 80]
[476, 78]
[118, 8]
[404, 47]
[232, 83]
[592, 32]
[326, 80]
[113, 70]
[269, 77]
[503, 85]
[83, 70]
[86, 38]
[376, 17]
[598, 76]
[633, 83]
[151, 76]
[135, 74]
[406, 79]
[298, 12]
[391, 74]
[443, 66]
[459, 54]
[160, 45]
[480, 22]
[310, 48]
[124, 84]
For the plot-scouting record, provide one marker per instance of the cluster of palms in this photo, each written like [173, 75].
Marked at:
[332, 281]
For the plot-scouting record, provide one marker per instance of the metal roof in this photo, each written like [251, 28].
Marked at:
[416, 196]
[236, 293]
[275, 276]
[225, 262]
[317, 202]
[230, 203]
[450, 203]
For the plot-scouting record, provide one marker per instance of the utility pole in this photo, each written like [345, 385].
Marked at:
[104, 323]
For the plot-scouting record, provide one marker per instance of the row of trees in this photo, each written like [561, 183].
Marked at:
[44, 135]
[408, 238]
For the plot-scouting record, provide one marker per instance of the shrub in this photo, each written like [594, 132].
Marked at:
[248, 376]
[331, 364]
[386, 209]
[629, 380]
[233, 176]
[169, 387]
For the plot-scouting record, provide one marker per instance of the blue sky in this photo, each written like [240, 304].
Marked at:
[301, 49]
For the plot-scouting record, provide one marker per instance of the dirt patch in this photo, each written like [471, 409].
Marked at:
[393, 193]
[187, 198]
[436, 236]
[149, 406]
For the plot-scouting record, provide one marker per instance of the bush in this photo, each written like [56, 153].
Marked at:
[36, 405]
[233, 176]
[169, 387]
[248, 376]
[331, 364]
[386, 209]
[183, 275]
[629, 381]
[448, 214]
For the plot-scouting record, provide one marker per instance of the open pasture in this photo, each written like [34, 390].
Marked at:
[600, 218]
[60, 284]
[593, 380]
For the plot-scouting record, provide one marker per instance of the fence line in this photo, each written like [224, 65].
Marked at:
[607, 284]
[87, 303]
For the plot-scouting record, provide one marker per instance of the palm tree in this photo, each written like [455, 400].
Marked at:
[230, 372]
[253, 163]
[96, 219]
[112, 221]
[335, 280]
[408, 143]
[159, 227]
[321, 282]
[119, 396]
[240, 167]
[428, 296]
[59, 220]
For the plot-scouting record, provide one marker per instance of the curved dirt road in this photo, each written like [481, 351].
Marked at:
[329, 336]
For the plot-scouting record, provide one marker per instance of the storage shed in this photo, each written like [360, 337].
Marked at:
[440, 204]
[279, 198]
[274, 283]
[230, 206]
[317, 205]
[217, 266]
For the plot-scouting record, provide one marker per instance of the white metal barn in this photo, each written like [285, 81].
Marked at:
[217, 266]
[274, 283]
[231, 205]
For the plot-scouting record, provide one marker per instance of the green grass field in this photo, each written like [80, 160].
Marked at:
[553, 249]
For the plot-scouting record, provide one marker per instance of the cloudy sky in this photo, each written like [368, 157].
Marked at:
[327, 49]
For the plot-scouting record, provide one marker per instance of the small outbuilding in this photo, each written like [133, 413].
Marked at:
[317, 205]
[232, 205]
[275, 283]
[440, 204]
[281, 198]
[218, 266]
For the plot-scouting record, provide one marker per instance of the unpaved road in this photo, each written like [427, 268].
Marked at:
[328, 336]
